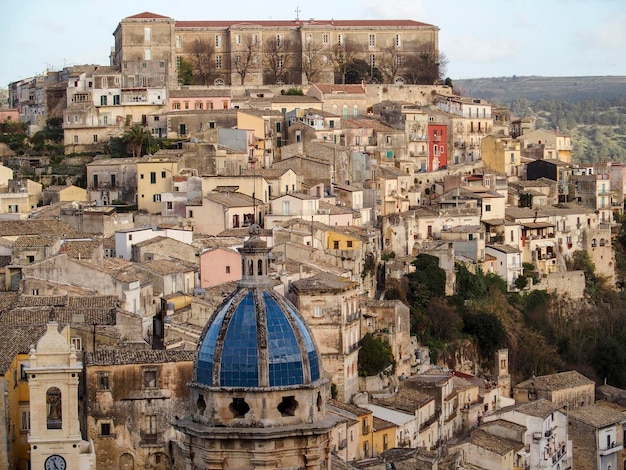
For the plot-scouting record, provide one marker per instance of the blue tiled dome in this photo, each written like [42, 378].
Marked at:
[256, 339]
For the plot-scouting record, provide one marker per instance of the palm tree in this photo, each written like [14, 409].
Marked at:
[135, 136]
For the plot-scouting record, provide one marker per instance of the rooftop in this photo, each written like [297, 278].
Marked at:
[557, 381]
[144, 356]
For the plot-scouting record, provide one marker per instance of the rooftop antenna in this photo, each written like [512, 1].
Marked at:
[298, 13]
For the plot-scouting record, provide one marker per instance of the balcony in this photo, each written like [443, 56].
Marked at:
[149, 439]
[614, 447]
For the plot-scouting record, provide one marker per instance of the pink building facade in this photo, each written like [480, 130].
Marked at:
[218, 266]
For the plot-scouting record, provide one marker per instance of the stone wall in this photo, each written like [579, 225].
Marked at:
[571, 283]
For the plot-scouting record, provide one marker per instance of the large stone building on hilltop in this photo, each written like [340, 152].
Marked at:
[150, 47]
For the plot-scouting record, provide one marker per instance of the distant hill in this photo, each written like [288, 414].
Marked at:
[570, 89]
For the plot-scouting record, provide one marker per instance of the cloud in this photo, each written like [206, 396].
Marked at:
[609, 33]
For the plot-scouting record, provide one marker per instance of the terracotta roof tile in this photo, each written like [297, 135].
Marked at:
[16, 228]
[26, 316]
[17, 340]
[42, 301]
[26, 241]
[147, 15]
[80, 248]
[293, 23]
[147, 356]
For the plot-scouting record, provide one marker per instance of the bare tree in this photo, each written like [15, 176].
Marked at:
[244, 57]
[201, 57]
[341, 55]
[424, 68]
[390, 63]
[312, 59]
[277, 55]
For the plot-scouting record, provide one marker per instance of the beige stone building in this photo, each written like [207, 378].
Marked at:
[330, 306]
[269, 51]
[569, 388]
[131, 399]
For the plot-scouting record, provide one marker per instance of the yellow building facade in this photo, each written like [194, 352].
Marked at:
[154, 176]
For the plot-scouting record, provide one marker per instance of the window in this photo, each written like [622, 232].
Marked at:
[372, 40]
[150, 434]
[325, 38]
[238, 39]
[156, 198]
[186, 104]
[349, 243]
[398, 40]
[512, 157]
[218, 41]
[147, 55]
[372, 60]
[152, 177]
[103, 100]
[147, 33]
[102, 379]
[13, 208]
[179, 44]
[279, 40]
[218, 61]
[95, 138]
[255, 39]
[227, 269]
[318, 312]
[149, 378]
[105, 429]
[336, 245]
[169, 205]
[198, 104]
[25, 420]
[54, 418]
[116, 100]
[77, 342]
[281, 61]
[163, 175]
[488, 208]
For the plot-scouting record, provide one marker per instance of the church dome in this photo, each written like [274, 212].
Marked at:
[256, 338]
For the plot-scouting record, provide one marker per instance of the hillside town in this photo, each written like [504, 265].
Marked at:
[204, 304]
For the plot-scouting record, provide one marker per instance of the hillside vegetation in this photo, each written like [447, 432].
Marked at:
[544, 333]
[591, 109]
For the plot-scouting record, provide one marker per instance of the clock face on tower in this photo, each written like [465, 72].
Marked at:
[55, 462]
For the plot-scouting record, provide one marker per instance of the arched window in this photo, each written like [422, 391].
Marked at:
[53, 404]
[250, 268]
[260, 267]
[127, 462]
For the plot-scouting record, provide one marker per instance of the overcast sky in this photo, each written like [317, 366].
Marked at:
[481, 38]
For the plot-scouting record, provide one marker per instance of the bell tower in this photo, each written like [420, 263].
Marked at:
[55, 438]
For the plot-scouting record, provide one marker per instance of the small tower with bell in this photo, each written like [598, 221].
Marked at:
[53, 374]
